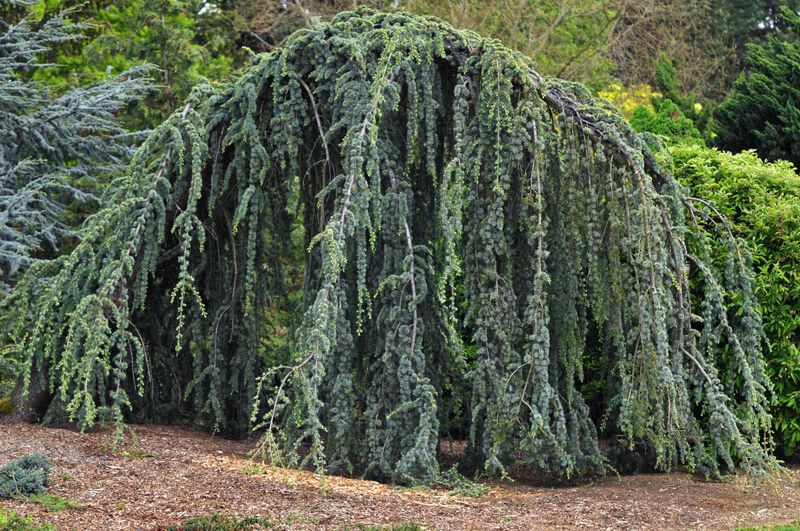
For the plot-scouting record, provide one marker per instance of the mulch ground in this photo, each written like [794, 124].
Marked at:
[172, 474]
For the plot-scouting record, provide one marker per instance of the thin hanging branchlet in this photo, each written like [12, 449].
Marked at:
[473, 236]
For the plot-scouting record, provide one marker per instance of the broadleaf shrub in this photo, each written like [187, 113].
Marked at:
[762, 204]
[668, 120]
[669, 113]
[628, 99]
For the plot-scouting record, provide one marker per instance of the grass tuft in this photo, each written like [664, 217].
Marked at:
[218, 522]
[55, 503]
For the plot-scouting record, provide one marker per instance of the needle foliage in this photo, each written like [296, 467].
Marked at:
[55, 148]
[472, 233]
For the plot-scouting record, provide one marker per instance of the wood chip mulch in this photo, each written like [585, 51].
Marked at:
[173, 473]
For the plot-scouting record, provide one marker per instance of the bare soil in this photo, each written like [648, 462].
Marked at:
[171, 474]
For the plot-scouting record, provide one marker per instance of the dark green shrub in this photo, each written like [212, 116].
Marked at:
[26, 476]
[679, 118]
[667, 84]
[668, 120]
[762, 203]
[761, 112]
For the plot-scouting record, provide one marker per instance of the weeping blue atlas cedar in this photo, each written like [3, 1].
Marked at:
[470, 234]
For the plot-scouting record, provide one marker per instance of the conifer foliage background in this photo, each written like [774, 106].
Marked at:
[761, 112]
[54, 147]
[472, 234]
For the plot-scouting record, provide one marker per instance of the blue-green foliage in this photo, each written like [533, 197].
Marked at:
[54, 148]
[761, 202]
[26, 476]
[433, 170]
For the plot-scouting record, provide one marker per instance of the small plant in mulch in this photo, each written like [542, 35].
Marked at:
[284, 475]
[296, 518]
[11, 521]
[218, 522]
[456, 483]
[135, 453]
[54, 503]
[26, 476]
[254, 469]
[114, 444]
[791, 526]
[398, 527]
[460, 485]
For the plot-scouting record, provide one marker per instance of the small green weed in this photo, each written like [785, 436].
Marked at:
[135, 453]
[132, 451]
[460, 485]
[399, 527]
[791, 526]
[297, 518]
[218, 522]
[254, 469]
[54, 503]
[11, 521]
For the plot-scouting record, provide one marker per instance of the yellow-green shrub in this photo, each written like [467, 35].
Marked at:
[762, 202]
[6, 405]
[628, 99]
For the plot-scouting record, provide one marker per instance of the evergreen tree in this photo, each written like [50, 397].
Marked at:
[53, 147]
[751, 21]
[184, 39]
[762, 111]
[567, 38]
[433, 171]
[675, 117]
[164, 33]
[666, 120]
[705, 38]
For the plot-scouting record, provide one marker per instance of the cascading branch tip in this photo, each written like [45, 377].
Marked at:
[473, 236]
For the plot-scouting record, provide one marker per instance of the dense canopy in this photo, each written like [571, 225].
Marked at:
[473, 235]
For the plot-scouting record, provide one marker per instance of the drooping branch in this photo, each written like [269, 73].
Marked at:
[421, 156]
